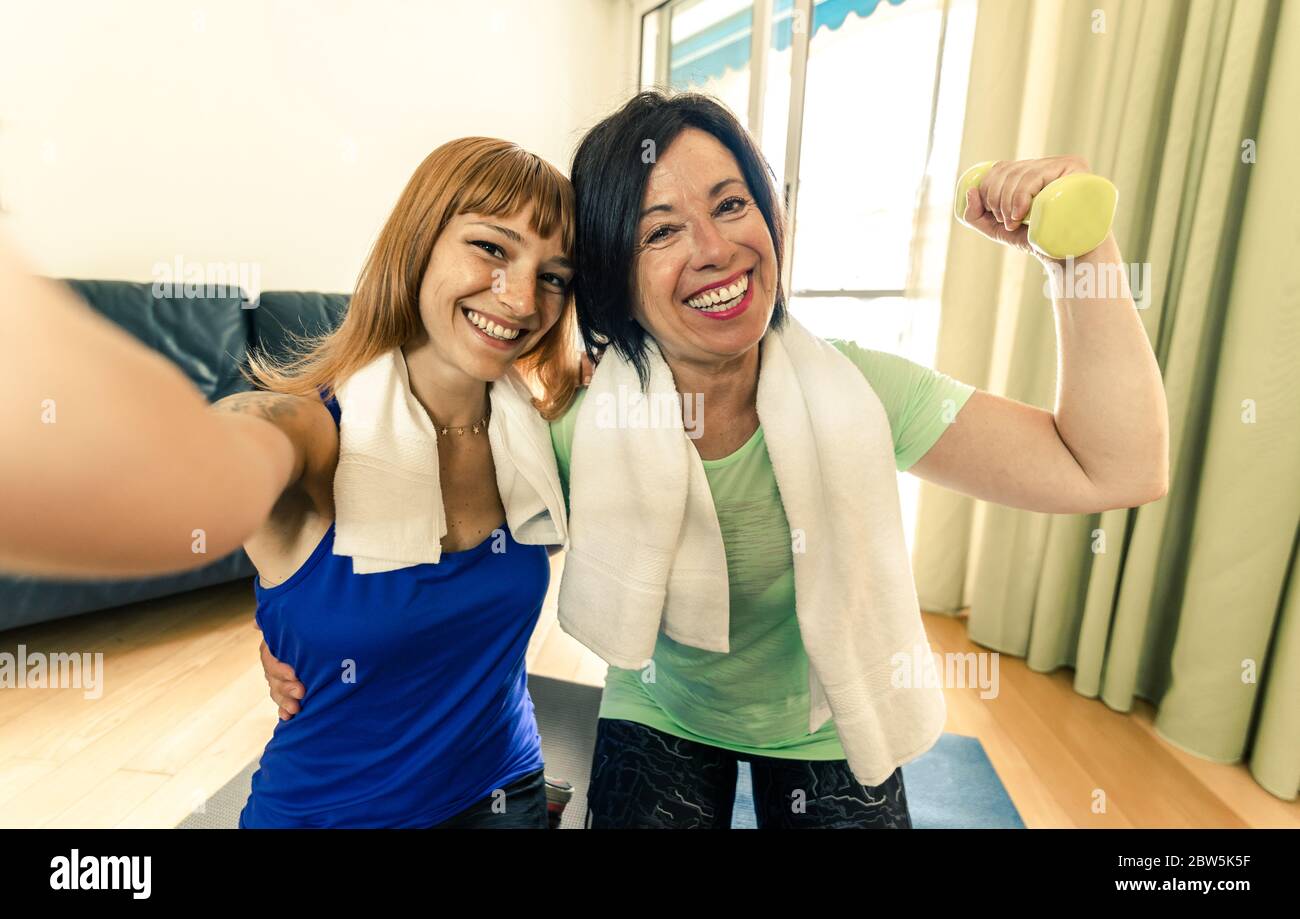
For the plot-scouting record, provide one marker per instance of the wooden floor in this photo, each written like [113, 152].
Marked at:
[184, 708]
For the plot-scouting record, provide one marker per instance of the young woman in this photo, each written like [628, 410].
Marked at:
[418, 714]
[679, 263]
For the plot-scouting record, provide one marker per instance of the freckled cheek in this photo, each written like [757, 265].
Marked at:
[452, 282]
[463, 273]
[432, 297]
[551, 310]
[477, 278]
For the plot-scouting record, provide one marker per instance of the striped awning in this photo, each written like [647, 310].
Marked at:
[725, 44]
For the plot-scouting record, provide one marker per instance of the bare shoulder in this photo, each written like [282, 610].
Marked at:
[304, 511]
[309, 426]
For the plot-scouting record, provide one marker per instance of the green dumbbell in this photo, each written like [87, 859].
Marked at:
[1068, 218]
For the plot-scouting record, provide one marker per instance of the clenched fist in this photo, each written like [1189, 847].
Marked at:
[998, 206]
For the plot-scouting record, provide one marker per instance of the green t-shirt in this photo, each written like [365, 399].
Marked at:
[755, 699]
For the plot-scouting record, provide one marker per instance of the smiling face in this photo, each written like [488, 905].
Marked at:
[705, 267]
[491, 291]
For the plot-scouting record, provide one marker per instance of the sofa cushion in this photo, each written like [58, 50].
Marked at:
[283, 316]
[206, 337]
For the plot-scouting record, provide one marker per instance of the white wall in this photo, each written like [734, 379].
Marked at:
[272, 132]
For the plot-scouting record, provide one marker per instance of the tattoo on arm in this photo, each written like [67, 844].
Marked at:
[273, 407]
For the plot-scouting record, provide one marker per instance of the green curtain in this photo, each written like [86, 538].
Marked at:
[1195, 602]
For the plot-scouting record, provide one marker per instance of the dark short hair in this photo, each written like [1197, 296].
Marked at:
[609, 177]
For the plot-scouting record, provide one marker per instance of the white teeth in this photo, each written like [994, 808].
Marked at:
[491, 328]
[720, 298]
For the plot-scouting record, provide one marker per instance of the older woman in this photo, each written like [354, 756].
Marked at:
[679, 262]
[739, 562]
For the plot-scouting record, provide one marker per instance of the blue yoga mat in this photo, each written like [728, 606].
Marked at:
[951, 786]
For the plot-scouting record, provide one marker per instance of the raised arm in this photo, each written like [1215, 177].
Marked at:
[1106, 445]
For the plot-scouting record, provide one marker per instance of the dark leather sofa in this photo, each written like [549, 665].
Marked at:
[207, 338]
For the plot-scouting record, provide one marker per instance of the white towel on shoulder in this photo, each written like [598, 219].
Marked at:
[646, 550]
[387, 493]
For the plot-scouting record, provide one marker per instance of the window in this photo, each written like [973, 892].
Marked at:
[709, 49]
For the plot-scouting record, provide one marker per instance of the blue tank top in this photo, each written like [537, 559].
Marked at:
[417, 700]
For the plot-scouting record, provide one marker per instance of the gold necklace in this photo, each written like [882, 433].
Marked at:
[476, 427]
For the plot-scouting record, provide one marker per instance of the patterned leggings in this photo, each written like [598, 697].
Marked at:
[644, 778]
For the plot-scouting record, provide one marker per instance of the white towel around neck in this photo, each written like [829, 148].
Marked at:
[646, 550]
[388, 504]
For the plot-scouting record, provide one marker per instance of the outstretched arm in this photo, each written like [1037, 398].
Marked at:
[112, 463]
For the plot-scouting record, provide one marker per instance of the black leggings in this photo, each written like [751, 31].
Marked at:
[643, 778]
